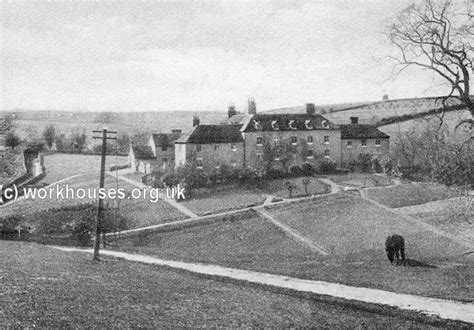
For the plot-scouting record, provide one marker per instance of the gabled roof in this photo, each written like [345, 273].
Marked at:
[286, 122]
[352, 131]
[143, 152]
[168, 139]
[205, 134]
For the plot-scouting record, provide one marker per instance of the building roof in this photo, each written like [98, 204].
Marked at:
[143, 152]
[238, 119]
[168, 139]
[204, 134]
[286, 122]
[355, 131]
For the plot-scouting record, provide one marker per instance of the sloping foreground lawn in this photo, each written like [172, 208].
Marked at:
[410, 194]
[43, 287]
[360, 179]
[358, 256]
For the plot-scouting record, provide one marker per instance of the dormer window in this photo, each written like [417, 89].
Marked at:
[257, 125]
[292, 124]
[275, 125]
[308, 124]
[325, 124]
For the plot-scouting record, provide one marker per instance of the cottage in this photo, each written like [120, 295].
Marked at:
[162, 145]
[141, 158]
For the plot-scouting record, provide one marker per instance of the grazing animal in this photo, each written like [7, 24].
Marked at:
[393, 245]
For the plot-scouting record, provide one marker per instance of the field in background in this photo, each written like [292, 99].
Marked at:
[410, 194]
[360, 180]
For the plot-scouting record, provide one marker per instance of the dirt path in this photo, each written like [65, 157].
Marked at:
[446, 309]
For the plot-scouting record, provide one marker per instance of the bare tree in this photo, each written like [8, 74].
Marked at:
[438, 36]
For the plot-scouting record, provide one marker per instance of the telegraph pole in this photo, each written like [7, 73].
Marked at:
[100, 204]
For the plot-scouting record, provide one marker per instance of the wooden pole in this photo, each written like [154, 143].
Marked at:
[100, 205]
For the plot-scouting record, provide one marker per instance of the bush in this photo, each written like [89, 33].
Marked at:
[376, 166]
[83, 229]
[296, 170]
[170, 179]
[327, 167]
[307, 169]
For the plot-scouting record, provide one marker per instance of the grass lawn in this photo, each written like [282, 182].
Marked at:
[278, 187]
[360, 179]
[217, 202]
[61, 166]
[43, 287]
[410, 194]
[356, 241]
[451, 215]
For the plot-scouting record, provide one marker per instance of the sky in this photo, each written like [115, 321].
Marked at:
[152, 55]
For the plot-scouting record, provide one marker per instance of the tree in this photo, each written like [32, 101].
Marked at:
[49, 135]
[290, 186]
[79, 140]
[306, 182]
[436, 36]
[12, 140]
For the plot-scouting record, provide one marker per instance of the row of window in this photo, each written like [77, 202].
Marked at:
[363, 143]
[294, 140]
[292, 124]
[216, 147]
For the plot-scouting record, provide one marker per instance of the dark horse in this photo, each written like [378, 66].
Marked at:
[393, 245]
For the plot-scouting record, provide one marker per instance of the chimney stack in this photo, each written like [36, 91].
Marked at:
[354, 120]
[231, 111]
[310, 109]
[195, 121]
[252, 106]
[385, 97]
[176, 131]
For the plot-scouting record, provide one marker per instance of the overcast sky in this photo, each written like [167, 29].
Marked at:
[198, 55]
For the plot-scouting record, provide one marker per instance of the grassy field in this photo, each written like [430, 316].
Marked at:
[410, 194]
[43, 287]
[61, 166]
[453, 215]
[356, 242]
[360, 180]
[278, 187]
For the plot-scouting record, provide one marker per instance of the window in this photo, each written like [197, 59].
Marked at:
[277, 159]
[232, 147]
[325, 124]
[377, 143]
[326, 139]
[364, 143]
[259, 141]
[275, 125]
[276, 140]
[308, 124]
[310, 154]
[294, 140]
[349, 144]
[165, 160]
[198, 148]
[199, 162]
[257, 125]
[326, 153]
[164, 147]
[216, 147]
[310, 139]
[292, 124]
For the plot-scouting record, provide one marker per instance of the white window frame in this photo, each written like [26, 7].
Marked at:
[310, 155]
[308, 124]
[349, 144]
[275, 125]
[199, 160]
[233, 147]
[379, 142]
[261, 141]
[257, 125]
[291, 124]
[294, 143]
[312, 140]
[325, 124]
[326, 139]
[363, 143]
[326, 151]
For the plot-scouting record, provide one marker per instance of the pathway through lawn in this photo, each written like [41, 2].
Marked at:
[447, 309]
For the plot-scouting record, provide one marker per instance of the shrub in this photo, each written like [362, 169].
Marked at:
[170, 179]
[376, 166]
[327, 167]
[83, 229]
[296, 170]
[364, 162]
[307, 169]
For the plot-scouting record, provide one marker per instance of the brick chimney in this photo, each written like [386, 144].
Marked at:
[195, 121]
[252, 106]
[354, 120]
[231, 111]
[310, 109]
